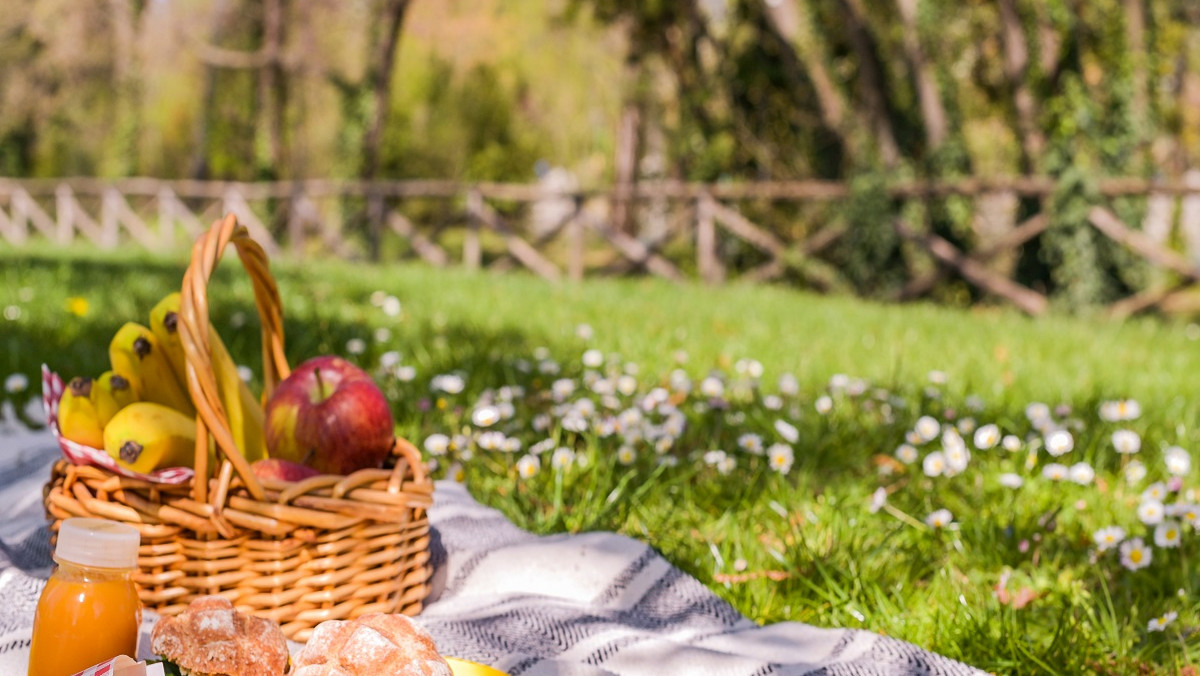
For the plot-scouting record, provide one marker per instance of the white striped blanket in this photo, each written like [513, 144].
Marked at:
[588, 604]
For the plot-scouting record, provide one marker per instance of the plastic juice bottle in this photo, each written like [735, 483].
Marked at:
[89, 610]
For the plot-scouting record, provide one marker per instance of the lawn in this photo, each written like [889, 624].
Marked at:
[794, 452]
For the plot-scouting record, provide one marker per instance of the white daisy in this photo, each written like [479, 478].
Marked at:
[789, 386]
[751, 443]
[1059, 442]
[1135, 554]
[1011, 443]
[1010, 480]
[1135, 471]
[712, 388]
[824, 404]
[1160, 623]
[16, 383]
[626, 455]
[1155, 491]
[878, 500]
[485, 416]
[528, 466]
[1126, 442]
[1055, 471]
[780, 457]
[940, 518]
[927, 428]
[437, 444]
[1178, 461]
[1150, 512]
[934, 464]
[1167, 534]
[563, 458]
[1081, 473]
[787, 430]
[906, 453]
[987, 437]
[1107, 538]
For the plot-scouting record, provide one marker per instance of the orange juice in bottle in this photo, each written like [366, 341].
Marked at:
[89, 610]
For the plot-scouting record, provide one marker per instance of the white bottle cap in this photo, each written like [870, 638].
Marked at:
[98, 543]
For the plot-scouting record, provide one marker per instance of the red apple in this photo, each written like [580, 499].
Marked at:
[330, 415]
[281, 470]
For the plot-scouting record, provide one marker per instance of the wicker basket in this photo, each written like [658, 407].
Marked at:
[328, 547]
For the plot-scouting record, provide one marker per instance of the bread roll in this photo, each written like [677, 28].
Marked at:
[210, 638]
[369, 645]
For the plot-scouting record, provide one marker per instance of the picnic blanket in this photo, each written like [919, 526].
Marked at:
[589, 604]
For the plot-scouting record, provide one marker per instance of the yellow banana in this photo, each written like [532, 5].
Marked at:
[77, 419]
[136, 354]
[164, 318]
[145, 436]
[111, 392]
[242, 408]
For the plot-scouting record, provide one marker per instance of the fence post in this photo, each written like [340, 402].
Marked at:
[576, 241]
[472, 252]
[108, 217]
[64, 212]
[707, 261]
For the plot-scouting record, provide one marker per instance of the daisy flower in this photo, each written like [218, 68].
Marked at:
[437, 444]
[1081, 473]
[1178, 461]
[987, 437]
[1059, 442]
[1126, 442]
[934, 464]
[1055, 471]
[1134, 472]
[1011, 443]
[1155, 491]
[712, 388]
[1107, 538]
[824, 404]
[789, 386]
[927, 428]
[906, 453]
[626, 455]
[528, 466]
[751, 443]
[1010, 480]
[1160, 623]
[1120, 410]
[485, 416]
[1150, 512]
[780, 457]
[1167, 534]
[562, 459]
[16, 383]
[939, 519]
[878, 500]
[787, 430]
[1135, 555]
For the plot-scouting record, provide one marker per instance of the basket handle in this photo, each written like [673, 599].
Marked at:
[194, 331]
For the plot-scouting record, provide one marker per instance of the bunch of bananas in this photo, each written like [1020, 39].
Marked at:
[140, 411]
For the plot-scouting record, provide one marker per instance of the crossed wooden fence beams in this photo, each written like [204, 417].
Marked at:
[151, 212]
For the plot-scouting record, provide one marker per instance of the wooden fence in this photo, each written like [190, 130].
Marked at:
[680, 230]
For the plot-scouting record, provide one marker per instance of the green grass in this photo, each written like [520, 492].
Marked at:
[834, 562]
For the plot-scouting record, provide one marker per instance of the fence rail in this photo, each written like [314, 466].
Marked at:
[679, 229]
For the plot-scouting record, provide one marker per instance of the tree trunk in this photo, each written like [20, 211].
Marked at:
[871, 86]
[272, 85]
[380, 81]
[792, 24]
[1016, 67]
[933, 113]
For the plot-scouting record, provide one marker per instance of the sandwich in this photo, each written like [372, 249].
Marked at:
[370, 645]
[211, 638]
